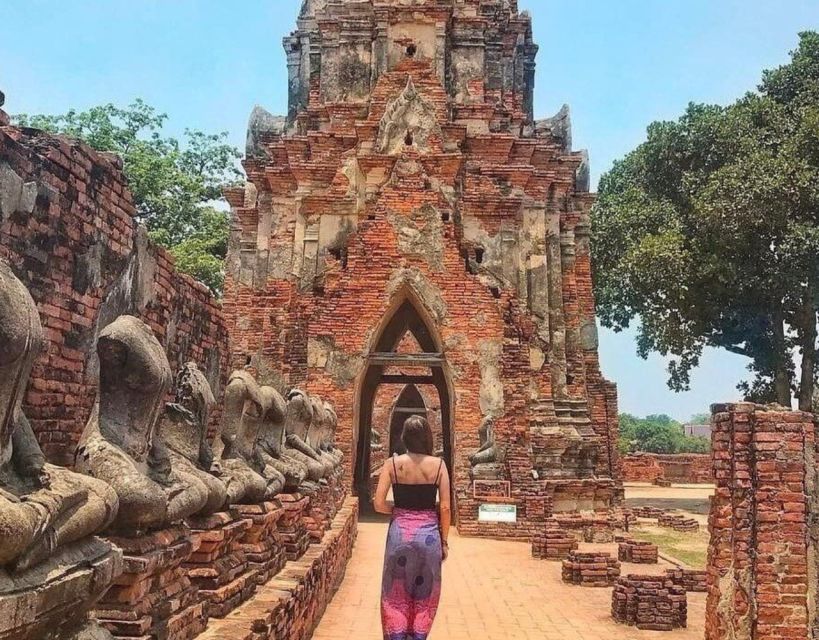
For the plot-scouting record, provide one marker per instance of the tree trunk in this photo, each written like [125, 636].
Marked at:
[807, 341]
[782, 378]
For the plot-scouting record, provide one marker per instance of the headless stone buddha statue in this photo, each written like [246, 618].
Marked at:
[271, 442]
[119, 443]
[487, 461]
[42, 507]
[329, 433]
[298, 418]
[315, 435]
[237, 444]
[184, 430]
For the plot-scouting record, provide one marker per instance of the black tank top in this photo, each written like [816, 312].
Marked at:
[415, 497]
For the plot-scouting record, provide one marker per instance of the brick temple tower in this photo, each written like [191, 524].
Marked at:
[409, 225]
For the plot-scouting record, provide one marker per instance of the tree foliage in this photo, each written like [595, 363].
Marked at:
[657, 434]
[176, 186]
[708, 233]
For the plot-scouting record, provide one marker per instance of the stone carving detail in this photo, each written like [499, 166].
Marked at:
[119, 445]
[47, 584]
[408, 122]
[241, 458]
[565, 453]
[487, 461]
[298, 417]
[272, 441]
[184, 429]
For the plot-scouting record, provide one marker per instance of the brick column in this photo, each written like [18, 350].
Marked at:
[762, 581]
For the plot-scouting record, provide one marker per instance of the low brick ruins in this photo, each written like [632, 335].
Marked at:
[651, 603]
[409, 223]
[678, 522]
[590, 569]
[666, 469]
[553, 543]
[637, 552]
[692, 580]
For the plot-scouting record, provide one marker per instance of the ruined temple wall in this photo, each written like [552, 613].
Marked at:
[764, 554]
[682, 468]
[68, 230]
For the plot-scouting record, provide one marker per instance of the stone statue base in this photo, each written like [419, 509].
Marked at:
[219, 567]
[52, 600]
[320, 513]
[292, 526]
[154, 598]
[489, 471]
[261, 543]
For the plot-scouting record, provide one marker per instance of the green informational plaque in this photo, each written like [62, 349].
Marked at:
[497, 513]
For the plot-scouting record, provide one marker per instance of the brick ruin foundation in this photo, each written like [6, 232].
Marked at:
[409, 191]
[590, 569]
[651, 603]
[683, 468]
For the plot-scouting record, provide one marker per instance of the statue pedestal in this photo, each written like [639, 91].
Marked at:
[261, 543]
[219, 567]
[320, 513]
[154, 598]
[293, 526]
[55, 596]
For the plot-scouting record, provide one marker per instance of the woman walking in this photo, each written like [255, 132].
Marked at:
[417, 537]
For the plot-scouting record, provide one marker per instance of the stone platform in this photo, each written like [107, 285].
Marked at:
[290, 605]
[294, 535]
[219, 567]
[154, 599]
[54, 597]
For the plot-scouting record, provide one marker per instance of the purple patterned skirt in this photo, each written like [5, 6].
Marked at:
[411, 585]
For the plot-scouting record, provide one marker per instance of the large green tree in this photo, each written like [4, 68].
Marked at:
[176, 185]
[708, 233]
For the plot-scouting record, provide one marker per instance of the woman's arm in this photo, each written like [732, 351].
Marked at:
[384, 482]
[445, 507]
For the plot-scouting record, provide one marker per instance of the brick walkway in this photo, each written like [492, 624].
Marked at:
[492, 591]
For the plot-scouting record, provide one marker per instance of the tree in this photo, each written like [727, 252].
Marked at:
[175, 186]
[657, 434]
[708, 233]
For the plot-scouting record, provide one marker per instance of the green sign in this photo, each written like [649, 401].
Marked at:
[497, 513]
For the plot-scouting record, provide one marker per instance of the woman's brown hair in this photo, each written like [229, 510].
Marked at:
[417, 436]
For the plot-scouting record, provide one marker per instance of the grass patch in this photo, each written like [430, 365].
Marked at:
[690, 548]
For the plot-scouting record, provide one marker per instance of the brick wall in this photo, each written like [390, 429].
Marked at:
[683, 468]
[762, 560]
[68, 230]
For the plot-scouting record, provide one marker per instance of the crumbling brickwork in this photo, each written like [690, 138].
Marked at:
[410, 170]
[68, 230]
[682, 468]
[762, 561]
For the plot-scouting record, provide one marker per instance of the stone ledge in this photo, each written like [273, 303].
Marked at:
[291, 604]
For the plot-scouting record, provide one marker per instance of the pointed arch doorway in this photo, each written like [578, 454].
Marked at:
[389, 364]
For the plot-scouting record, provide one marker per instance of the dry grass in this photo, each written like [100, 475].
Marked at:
[690, 548]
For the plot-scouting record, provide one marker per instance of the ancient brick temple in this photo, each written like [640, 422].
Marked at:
[409, 222]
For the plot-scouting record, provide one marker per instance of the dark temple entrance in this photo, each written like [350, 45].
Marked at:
[386, 365]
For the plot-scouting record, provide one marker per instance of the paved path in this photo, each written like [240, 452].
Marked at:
[492, 591]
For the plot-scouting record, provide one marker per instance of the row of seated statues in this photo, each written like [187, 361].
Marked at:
[142, 464]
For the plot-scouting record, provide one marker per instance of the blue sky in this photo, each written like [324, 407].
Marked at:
[620, 65]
